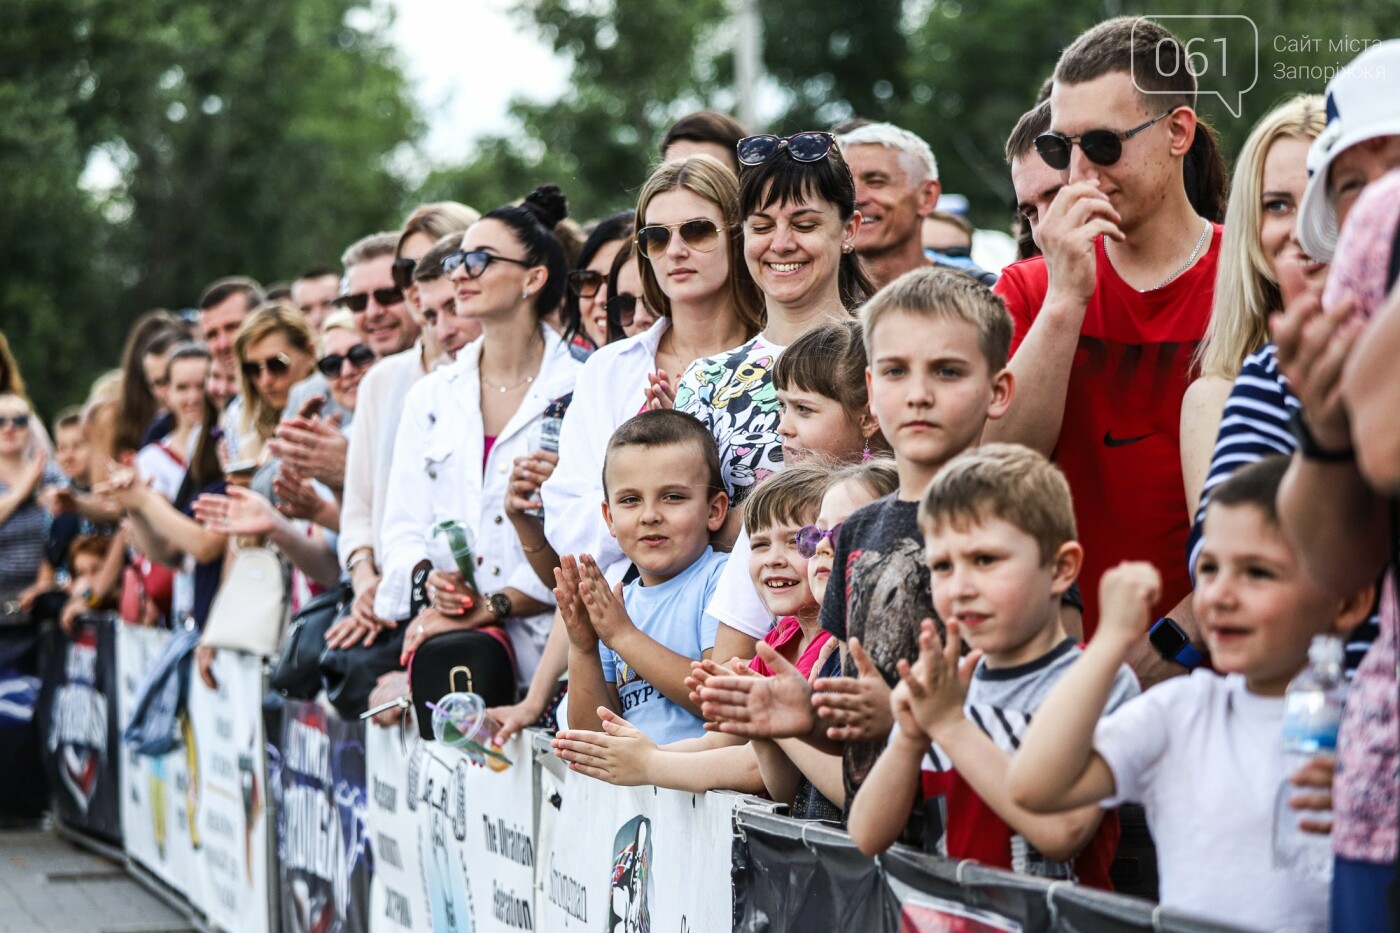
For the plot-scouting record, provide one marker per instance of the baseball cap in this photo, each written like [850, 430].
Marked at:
[1363, 102]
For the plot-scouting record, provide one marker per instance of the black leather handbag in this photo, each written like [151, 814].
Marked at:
[297, 673]
[479, 661]
[350, 674]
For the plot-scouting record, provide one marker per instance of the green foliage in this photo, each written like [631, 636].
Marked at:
[254, 137]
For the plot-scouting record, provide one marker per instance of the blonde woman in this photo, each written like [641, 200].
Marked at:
[1262, 268]
[275, 350]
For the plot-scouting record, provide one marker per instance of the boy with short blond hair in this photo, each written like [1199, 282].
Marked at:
[999, 533]
[1203, 754]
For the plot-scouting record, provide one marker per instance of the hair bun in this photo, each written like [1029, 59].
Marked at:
[548, 204]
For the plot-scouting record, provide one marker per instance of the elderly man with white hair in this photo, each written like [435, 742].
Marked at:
[896, 188]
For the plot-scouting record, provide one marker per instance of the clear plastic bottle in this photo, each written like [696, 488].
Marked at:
[544, 438]
[1312, 715]
[461, 721]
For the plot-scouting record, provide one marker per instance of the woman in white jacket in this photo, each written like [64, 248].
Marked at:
[706, 302]
[463, 425]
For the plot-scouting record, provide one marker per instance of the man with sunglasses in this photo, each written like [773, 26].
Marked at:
[1107, 320]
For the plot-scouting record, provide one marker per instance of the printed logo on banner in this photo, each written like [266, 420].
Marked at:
[443, 789]
[923, 913]
[322, 838]
[78, 733]
[629, 888]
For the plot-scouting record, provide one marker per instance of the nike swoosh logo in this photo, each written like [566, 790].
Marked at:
[1110, 441]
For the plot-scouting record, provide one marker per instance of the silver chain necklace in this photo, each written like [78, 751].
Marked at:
[1190, 261]
[504, 389]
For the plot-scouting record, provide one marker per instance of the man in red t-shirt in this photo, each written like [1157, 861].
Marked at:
[1108, 318]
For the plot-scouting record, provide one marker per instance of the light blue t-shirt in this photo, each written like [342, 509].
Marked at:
[673, 614]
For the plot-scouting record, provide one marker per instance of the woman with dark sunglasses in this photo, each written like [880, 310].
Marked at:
[585, 303]
[692, 278]
[628, 313]
[275, 350]
[464, 425]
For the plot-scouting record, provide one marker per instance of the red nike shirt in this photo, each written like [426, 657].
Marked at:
[1120, 442]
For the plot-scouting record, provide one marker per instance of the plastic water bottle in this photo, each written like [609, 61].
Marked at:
[1312, 715]
[461, 721]
[544, 437]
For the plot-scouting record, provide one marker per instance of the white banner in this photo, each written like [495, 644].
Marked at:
[635, 859]
[398, 892]
[160, 802]
[232, 802]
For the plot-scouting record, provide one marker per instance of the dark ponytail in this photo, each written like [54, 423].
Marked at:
[533, 222]
[1206, 175]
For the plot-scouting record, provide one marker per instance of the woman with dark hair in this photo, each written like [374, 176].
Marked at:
[463, 425]
[626, 307]
[143, 368]
[585, 303]
[164, 463]
[798, 200]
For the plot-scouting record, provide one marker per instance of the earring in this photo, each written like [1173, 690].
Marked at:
[525, 294]
[846, 247]
[865, 454]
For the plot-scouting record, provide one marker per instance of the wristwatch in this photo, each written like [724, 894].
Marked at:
[1308, 446]
[1171, 643]
[499, 604]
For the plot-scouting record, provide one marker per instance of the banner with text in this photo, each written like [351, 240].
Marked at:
[398, 892]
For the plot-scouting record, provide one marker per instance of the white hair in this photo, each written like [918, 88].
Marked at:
[919, 161]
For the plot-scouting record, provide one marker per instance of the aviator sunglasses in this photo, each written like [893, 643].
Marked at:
[701, 235]
[810, 537]
[1102, 147]
[359, 356]
[278, 365]
[384, 297]
[475, 262]
[804, 147]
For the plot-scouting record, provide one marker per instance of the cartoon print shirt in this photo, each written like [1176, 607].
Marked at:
[733, 395]
[879, 592]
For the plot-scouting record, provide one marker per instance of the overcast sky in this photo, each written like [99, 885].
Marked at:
[466, 61]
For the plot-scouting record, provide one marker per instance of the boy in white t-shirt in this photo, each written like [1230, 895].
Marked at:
[1203, 754]
[630, 647]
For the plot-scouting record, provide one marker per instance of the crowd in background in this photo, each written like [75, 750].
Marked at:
[783, 493]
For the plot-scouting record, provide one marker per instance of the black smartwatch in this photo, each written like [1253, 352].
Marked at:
[1171, 643]
[1308, 446]
[499, 604]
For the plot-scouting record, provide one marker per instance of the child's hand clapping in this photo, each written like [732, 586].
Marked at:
[855, 708]
[617, 755]
[758, 707]
[933, 689]
[603, 603]
[582, 636]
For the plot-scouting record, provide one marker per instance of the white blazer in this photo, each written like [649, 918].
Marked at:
[611, 388]
[437, 475]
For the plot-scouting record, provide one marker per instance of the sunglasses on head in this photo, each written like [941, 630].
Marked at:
[803, 147]
[19, 421]
[1102, 147]
[384, 297]
[402, 272]
[475, 262]
[811, 537]
[585, 282]
[623, 308]
[278, 365]
[359, 356]
[701, 235]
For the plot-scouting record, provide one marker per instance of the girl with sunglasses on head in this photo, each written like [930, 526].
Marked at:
[692, 278]
[464, 424]
[585, 303]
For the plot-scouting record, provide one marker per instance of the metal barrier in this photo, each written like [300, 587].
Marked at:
[278, 815]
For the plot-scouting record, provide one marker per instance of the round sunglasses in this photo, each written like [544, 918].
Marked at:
[803, 147]
[701, 235]
[278, 365]
[475, 262]
[1102, 147]
[585, 282]
[331, 365]
[810, 537]
[384, 297]
[623, 308]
